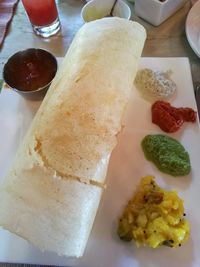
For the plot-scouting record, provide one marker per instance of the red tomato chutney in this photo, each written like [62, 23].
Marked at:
[170, 118]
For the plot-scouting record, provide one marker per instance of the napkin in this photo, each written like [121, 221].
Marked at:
[6, 13]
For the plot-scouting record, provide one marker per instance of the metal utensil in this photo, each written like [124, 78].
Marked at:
[197, 96]
[113, 7]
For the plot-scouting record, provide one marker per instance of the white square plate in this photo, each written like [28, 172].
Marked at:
[126, 167]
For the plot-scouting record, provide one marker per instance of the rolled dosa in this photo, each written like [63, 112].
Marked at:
[51, 193]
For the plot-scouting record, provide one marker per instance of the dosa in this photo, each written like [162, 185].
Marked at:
[52, 192]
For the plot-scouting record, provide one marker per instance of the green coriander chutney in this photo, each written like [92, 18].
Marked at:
[167, 154]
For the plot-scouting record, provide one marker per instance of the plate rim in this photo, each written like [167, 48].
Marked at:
[194, 9]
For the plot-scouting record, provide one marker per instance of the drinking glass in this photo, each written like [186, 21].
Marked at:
[43, 16]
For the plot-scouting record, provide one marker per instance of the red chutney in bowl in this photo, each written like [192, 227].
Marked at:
[30, 70]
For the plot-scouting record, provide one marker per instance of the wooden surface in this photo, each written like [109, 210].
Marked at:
[166, 40]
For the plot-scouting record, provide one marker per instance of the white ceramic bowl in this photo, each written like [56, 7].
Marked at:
[155, 11]
[97, 9]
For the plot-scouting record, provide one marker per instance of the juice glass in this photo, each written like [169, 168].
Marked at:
[43, 16]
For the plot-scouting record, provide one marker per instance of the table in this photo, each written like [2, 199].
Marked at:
[167, 40]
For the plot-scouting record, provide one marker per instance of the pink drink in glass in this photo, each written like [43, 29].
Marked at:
[43, 16]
